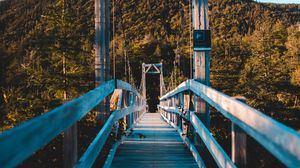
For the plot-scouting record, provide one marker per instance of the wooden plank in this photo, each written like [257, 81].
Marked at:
[20, 142]
[186, 140]
[153, 143]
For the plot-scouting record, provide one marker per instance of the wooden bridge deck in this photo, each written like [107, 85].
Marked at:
[153, 143]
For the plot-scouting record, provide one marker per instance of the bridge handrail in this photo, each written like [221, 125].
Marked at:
[90, 155]
[219, 155]
[126, 86]
[281, 141]
[22, 141]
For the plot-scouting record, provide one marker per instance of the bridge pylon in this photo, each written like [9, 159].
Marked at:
[102, 56]
[156, 68]
[201, 54]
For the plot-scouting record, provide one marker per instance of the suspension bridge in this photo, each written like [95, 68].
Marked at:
[169, 137]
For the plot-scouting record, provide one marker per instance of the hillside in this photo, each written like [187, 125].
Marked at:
[255, 53]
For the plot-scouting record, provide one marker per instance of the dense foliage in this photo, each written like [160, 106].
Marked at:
[46, 51]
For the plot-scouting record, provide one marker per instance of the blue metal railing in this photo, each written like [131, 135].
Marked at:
[20, 142]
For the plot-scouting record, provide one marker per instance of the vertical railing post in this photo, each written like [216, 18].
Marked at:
[138, 113]
[181, 105]
[124, 105]
[239, 142]
[116, 130]
[143, 80]
[70, 146]
[186, 106]
[161, 80]
[130, 95]
[119, 106]
[128, 117]
[191, 109]
[134, 114]
[177, 106]
[168, 114]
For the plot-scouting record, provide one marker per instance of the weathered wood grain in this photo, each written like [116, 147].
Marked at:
[280, 140]
[88, 158]
[238, 142]
[153, 143]
[20, 142]
[70, 146]
[219, 155]
[188, 143]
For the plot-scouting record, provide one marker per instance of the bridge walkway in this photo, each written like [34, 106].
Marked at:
[153, 143]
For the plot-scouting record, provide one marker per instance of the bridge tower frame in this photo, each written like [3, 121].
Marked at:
[152, 69]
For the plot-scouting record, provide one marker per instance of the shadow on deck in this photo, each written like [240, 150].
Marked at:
[153, 143]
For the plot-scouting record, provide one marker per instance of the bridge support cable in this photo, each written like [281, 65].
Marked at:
[20, 142]
[129, 74]
[280, 140]
[113, 36]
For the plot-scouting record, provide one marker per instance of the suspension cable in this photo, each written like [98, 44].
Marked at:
[114, 42]
[190, 30]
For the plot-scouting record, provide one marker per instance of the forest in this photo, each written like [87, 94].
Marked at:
[255, 53]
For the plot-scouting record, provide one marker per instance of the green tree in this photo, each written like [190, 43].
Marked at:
[265, 76]
[293, 53]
